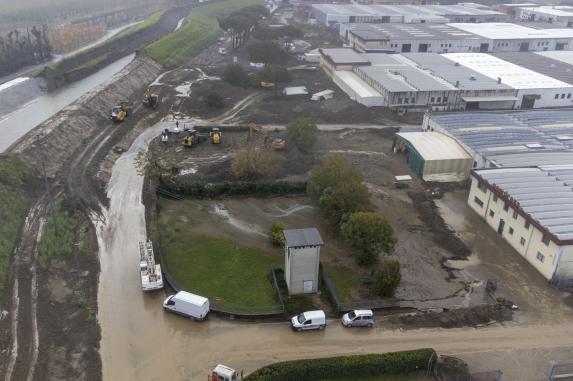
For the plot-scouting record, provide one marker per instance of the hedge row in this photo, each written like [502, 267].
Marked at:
[346, 366]
[235, 188]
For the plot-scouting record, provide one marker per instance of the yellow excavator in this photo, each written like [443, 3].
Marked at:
[191, 139]
[215, 135]
[278, 144]
[120, 112]
[150, 99]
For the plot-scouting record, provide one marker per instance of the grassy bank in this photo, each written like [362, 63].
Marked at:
[59, 245]
[345, 281]
[13, 205]
[200, 30]
[151, 20]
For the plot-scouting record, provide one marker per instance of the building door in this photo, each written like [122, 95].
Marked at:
[524, 47]
[406, 48]
[307, 286]
[483, 48]
[560, 46]
[528, 102]
[500, 227]
[423, 48]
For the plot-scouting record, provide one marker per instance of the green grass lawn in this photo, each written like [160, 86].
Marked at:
[199, 31]
[59, 245]
[151, 20]
[390, 377]
[344, 280]
[13, 205]
[228, 273]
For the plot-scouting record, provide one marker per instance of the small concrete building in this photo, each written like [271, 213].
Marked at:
[302, 260]
[530, 208]
[434, 156]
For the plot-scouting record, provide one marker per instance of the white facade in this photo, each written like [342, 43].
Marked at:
[302, 260]
[562, 16]
[551, 257]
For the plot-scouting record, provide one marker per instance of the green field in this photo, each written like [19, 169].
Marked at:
[151, 20]
[229, 274]
[199, 31]
[13, 205]
[390, 377]
[344, 280]
[62, 244]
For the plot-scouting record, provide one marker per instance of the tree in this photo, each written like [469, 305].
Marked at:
[255, 161]
[236, 75]
[302, 132]
[214, 100]
[268, 53]
[387, 279]
[276, 233]
[342, 200]
[275, 74]
[370, 234]
[336, 169]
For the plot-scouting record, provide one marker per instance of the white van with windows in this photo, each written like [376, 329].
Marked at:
[309, 320]
[358, 318]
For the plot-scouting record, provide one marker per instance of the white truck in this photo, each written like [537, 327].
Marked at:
[224, 373]
[151, 278]
[187, 304]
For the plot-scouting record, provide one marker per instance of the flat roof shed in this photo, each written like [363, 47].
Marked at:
[434, 156]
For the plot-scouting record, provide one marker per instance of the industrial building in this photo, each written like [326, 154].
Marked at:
[531, 209]
[433, 156]
[509, 138]
[555, 15]
[454, 37]
[333, 14]
[512, 9]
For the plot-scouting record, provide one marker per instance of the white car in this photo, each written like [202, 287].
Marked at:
[358, 318]
[309, 320]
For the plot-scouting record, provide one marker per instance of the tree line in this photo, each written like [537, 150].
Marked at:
[241, 23]
[18, 50]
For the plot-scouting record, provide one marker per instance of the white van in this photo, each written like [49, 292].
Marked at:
[309, 320]
[187, 304]
[358, 318]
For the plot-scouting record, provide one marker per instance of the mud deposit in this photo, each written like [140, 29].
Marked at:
[464, 317]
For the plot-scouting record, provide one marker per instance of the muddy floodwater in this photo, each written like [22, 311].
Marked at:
[16, 124]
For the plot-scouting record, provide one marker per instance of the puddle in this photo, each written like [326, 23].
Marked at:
[454, 211]
[220, 210]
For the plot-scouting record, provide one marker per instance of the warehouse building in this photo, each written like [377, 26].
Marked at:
[333, 14]
[555, 15]
[454, 37]
[531, 209]
[510, 138]
[512, 9]
[433, 156]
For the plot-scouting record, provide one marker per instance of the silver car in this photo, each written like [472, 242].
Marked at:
[358, 318]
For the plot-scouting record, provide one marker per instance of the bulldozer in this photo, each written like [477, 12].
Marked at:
[193, 138]
[150, 99]
[215, 135]
[120, 112]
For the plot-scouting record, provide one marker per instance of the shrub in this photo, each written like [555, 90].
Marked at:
[337, 169]
[387, 279]
[369, 234]
[236, 75]
[339, 202]
[185, 186]
[347, 367]
[276, 233]
[302, 132]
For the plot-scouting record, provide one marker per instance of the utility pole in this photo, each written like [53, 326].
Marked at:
[39, 144]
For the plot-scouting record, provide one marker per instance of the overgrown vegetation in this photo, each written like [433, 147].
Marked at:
[268, 53]
[236, 75]
[186, 186]
[370, 234]
[387, 279]
[276, 233]
[240, 23]
[13, 205]
[18, 50]
[58, 244]
[302, 132]
[198, 32]
[346, 367]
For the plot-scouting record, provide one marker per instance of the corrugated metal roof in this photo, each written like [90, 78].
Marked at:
[541, 64]
[539, 192]
[401, 10]
[344, 56]
[435, 146]
[404, 78]
[396, 31]
[302, 237]
[509, 31]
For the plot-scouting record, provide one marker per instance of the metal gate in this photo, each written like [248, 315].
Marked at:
[561, 372]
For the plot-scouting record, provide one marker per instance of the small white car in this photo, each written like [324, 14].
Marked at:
[309, 320]
[358, 318]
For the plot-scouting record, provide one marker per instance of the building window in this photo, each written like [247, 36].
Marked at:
[545, 239]
[432, 99]
[495, 198]
[569, 96]
[522, 241]
[540, 257]
[527, 223]
[556, 96]
[515, 214]
[510, 231]
[562, 96]
[400, 100]
[439, 99]
[506, 206]
[406, 100]
[413, 100]
[445, 99]
[491, 213]
[482, 186]
[478, 201]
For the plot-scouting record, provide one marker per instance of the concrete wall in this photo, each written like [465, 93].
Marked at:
[539, 15]
[525, 238]
[548, 97]
[534, 45]
[301, 264]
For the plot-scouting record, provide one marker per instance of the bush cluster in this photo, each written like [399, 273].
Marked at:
[234, 188]
[387, 279]
[345, 367]
[276, 233]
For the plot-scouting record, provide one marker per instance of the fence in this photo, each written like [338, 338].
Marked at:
[561, 372]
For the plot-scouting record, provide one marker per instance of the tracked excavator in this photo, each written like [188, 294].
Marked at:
[120, 112]
[150, 99]
[278, 144]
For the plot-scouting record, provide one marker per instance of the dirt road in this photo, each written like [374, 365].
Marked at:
[141, 342]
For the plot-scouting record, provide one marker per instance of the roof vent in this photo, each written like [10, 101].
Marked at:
[472, 78]
[457, 64]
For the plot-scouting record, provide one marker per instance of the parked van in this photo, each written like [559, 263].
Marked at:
[323, 95]
[358, 318]
[187, 304]
[309, 320]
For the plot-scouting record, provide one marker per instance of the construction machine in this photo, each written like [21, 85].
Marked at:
[215, 135]
[191, 139]
[267, 85]
[278, 144]
[120, 112]
[150, 99]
